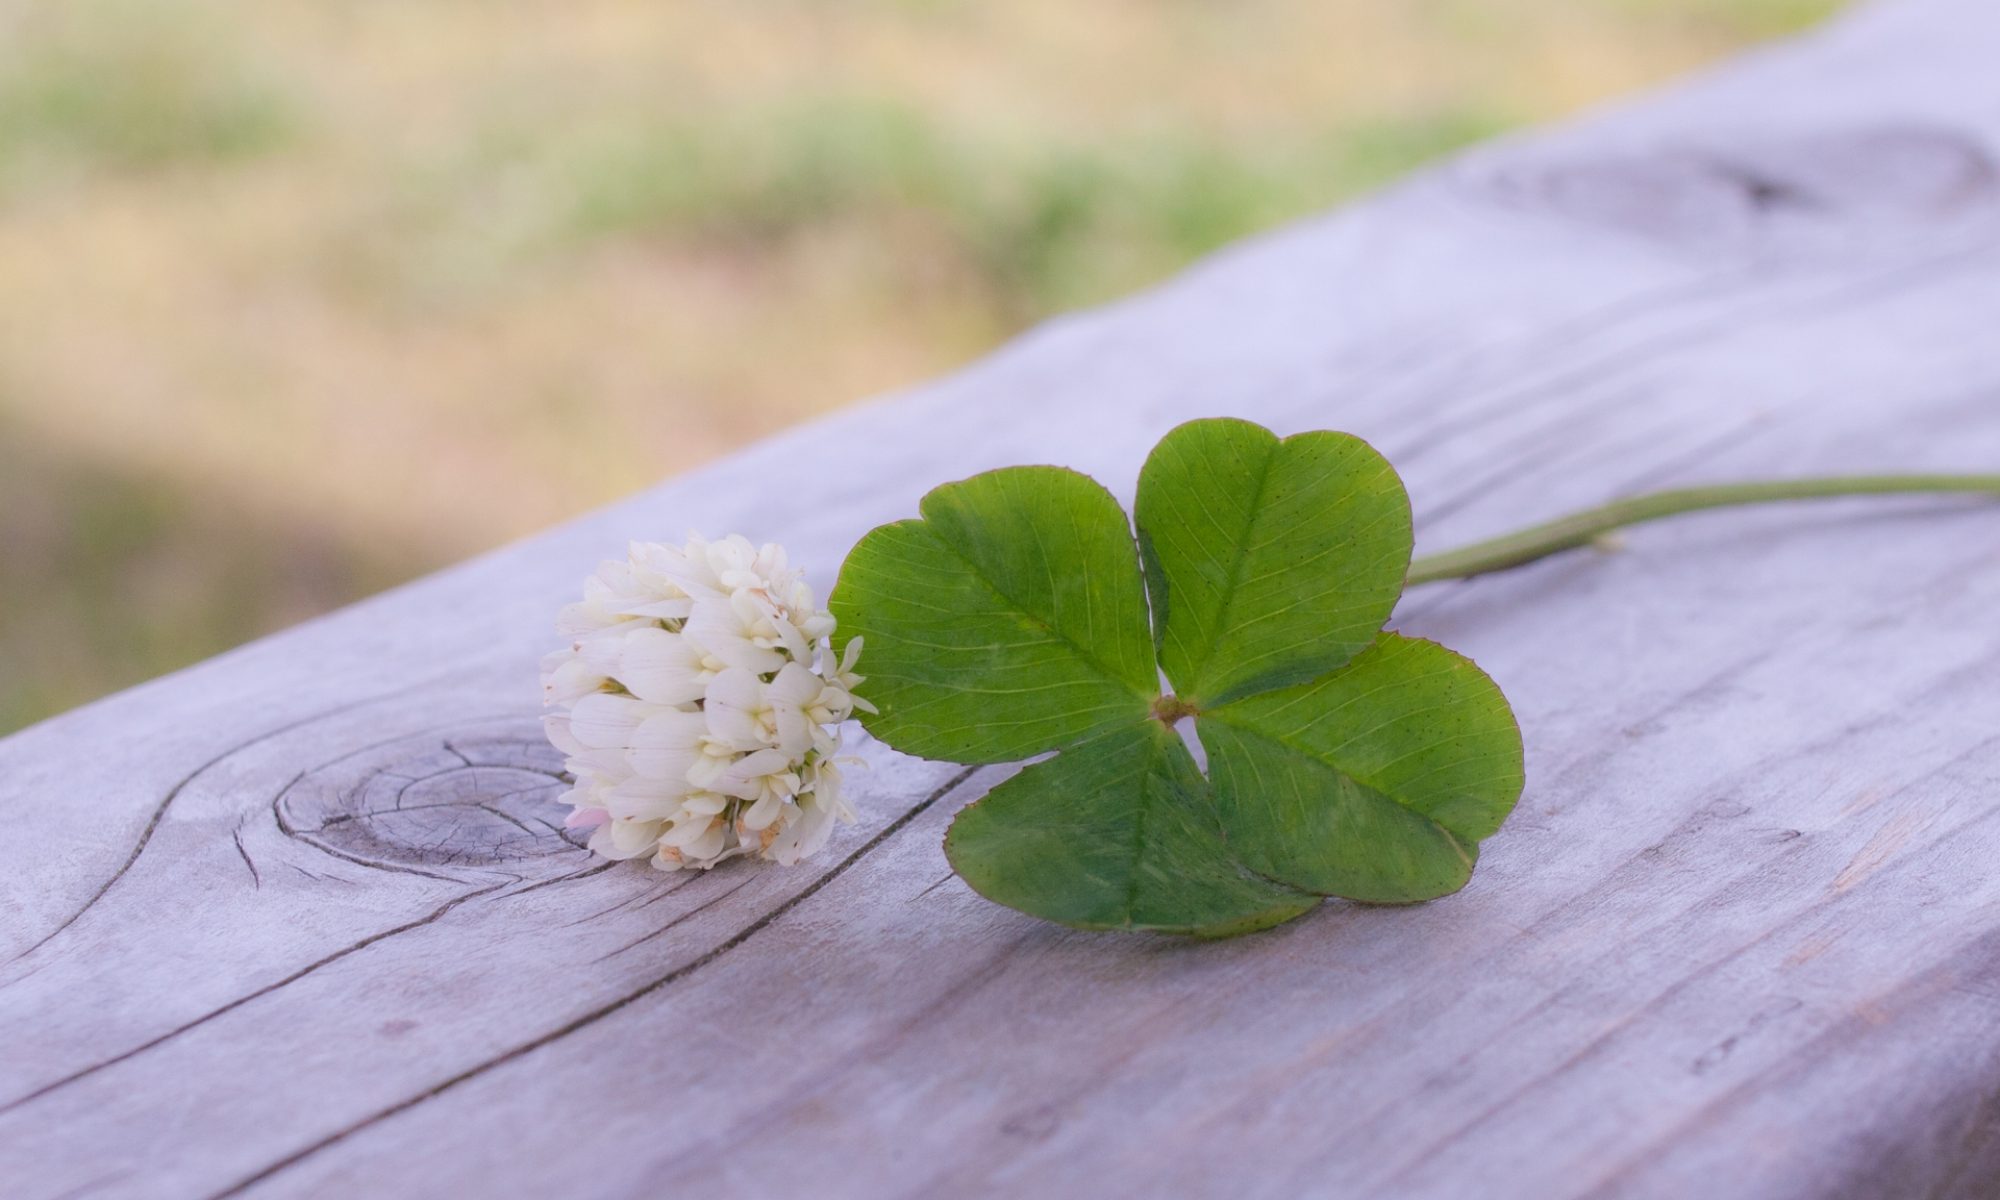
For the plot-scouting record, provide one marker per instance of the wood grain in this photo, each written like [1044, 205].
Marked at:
[301, 921]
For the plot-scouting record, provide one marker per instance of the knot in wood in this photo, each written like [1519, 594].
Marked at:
[1825, 190]
[468, 798]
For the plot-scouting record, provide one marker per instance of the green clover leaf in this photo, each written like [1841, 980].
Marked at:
[1268, 562]
[1012, 619]
[1117, 832]
[1009, 620]
[1374, 782]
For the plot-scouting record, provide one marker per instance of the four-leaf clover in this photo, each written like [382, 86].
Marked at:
[1019, 616]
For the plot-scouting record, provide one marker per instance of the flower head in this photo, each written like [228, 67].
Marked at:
[699, 704]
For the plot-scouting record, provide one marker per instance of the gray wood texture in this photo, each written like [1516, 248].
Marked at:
[298, 921]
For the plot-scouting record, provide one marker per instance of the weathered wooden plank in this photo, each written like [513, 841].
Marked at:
[295, 922]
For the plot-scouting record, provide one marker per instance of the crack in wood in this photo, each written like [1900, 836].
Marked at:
[236, 835]
[947, 877]
[166, 802]
[595, 869]
[599, 1013]
[1603, 1039]
[1967, 1166]
[689, 915]
[240, 1001]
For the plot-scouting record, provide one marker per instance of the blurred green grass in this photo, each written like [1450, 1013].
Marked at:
[299, 299]
[1041, 224]
[102, 88]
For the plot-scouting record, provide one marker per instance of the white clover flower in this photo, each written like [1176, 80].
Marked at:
[699, 705]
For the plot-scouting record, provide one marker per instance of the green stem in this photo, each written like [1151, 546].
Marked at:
[1583, 528]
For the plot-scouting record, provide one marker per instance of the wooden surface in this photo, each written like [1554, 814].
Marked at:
[298, 921]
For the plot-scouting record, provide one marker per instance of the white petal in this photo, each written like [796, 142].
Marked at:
[602, 719]
[569, 679]
[667, 744]
[735, 698]
[719, 629]
[795, 685]
[759, 816]
[828, 793]
[660, 667]
[625, 839]
[795, 732]
[706, 849]
[591, 613]
[706, 804]
[601, 649]
[556, 726]
[687, 831]
[802, 838]
[785, 847]
[644, 800]
[746, 777]
[789, 695]
[690, 566]
[657, 557]
[604, 762]
[674, 608]
[795, 643]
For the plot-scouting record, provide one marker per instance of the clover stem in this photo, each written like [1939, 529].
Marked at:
[1582, 528]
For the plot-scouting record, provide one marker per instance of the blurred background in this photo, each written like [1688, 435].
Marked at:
[302, 298]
